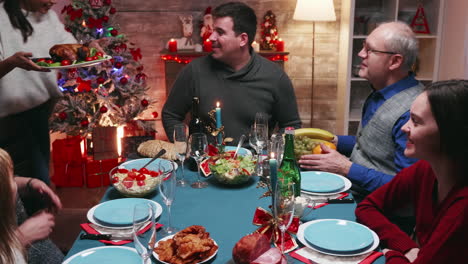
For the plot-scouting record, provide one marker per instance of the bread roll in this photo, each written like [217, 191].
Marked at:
[151, 147]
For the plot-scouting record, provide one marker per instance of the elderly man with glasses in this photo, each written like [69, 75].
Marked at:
[377, 151]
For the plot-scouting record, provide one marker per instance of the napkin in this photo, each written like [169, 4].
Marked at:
[310, 256]
[94, 229]
[322, 197]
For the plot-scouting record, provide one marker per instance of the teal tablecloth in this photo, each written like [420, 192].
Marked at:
[225, 212]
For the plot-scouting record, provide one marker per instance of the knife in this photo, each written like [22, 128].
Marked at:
[106, 237]
[335, 201]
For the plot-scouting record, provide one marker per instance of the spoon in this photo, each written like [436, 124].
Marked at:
[160, 153]
[241, 141]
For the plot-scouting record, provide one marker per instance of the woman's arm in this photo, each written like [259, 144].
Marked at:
[19, 60]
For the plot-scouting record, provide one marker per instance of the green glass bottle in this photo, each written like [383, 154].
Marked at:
[289, 170]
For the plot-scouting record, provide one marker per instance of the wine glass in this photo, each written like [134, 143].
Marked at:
[180, 146]
[284, 206]
[277, 146]
[143, 214]
[258, 139]
[198, 144]
[261, 119]
[167, 188]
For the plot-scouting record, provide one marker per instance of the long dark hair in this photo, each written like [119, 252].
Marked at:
[17, 18]
[449, 105]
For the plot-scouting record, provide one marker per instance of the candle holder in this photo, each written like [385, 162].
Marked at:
[214, 131]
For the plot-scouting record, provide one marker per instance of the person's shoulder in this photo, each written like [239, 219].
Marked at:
[268, 65]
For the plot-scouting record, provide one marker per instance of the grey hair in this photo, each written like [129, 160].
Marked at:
[402, 40]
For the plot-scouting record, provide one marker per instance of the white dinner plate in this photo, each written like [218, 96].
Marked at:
[106, 255]
[90, 215]
[81, 64]
[301, 238]
[346, 187]
[171, 236]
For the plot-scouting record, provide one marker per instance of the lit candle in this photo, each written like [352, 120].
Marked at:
[256, 46]
[172, 45]
[273, 173]
[207, 46]
[218, 123]
[279, 45]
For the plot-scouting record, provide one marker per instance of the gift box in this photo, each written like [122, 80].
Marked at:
[70, 174]
[130, 144]
[97, 171]
[69, 150]
[105, 143]
[140, 127]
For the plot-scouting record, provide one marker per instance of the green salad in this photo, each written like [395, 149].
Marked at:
[233, 171]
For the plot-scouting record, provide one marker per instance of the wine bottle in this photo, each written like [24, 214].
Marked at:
[289, 170]
[196, 124]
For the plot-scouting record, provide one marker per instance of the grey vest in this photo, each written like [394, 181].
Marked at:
[375, 147]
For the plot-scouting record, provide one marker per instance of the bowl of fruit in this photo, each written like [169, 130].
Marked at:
[231, 170]
[132, 180]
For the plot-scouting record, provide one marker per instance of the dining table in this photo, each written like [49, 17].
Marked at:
[225, 211]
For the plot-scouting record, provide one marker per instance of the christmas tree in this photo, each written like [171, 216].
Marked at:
[108, 94]
[269, 31]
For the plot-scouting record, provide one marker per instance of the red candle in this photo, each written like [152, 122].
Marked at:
[172, 45]
[279, 45]
[207, 46]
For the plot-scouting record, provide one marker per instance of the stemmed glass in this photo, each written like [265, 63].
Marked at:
[180, 146]
[144, 243]
[277, 146]
[284, 206]
[167, 188]
[258, 140]
[198, 144]
[261, 119]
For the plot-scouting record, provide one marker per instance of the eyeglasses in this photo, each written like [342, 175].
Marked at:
[368, 50]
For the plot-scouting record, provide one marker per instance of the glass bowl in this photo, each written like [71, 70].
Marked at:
[131, 181]
[232, 171]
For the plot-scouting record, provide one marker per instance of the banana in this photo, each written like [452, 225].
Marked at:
[316, 133]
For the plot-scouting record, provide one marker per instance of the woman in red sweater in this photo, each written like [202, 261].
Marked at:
[436, 186]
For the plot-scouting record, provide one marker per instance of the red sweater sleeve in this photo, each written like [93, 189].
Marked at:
[394, 195]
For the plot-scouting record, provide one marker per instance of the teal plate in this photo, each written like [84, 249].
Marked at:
[106, 255]
[119, 212]
[242, 151]
[321, 182]
[339, 236]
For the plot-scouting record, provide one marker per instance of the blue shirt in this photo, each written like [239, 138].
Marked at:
[371, 179]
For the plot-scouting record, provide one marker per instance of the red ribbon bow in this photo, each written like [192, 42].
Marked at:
[268, 227]
[136, 53]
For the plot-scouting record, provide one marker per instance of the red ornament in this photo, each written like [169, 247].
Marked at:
[118, 65]
[140, 68]
[144, 103]
[105, 18]
[155, 114]
[112, 10]
[107, 2]
[123, 80]
[100, 80]
[140, 77]
[114, 32]
[63, 115]
[123, 46]
[84, 123]
[103, 109]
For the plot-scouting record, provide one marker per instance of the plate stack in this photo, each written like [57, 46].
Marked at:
[323, 183]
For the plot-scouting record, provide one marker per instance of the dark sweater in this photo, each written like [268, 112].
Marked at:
[260, 86]
[441, 229]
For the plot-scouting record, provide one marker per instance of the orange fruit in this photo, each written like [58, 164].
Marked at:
[318, 150]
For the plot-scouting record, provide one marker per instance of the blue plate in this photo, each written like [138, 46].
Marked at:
[339, 236]
[242, 151]
[119, 212]
[153, 166]
[106, 255]
[321, 182]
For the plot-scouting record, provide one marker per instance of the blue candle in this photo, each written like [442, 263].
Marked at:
[218, 123]
[273, 173]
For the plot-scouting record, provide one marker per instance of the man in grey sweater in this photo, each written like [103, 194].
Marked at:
[241, 80]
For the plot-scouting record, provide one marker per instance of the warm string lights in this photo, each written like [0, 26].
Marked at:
[185, 59]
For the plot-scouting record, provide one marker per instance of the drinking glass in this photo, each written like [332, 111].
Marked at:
[277, 146]
[198, 144]
[258, 140]
[261, 119]
[144, 243]
[167, 188]
[180, 146]
[284, 206]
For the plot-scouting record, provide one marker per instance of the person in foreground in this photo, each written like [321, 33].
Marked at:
[11, 249]
[388, 55]
[241, 80]
[437, 185]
